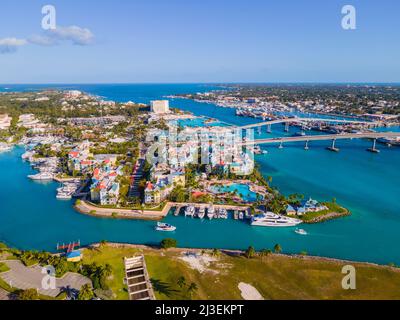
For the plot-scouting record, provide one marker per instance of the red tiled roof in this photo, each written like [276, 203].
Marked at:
[149, 186]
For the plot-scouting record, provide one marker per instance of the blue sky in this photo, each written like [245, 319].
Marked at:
[201, 41]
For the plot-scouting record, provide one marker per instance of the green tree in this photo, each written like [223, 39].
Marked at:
[29, 294]
[169, 243]
[192, 289]
[86, 293]
[181, 282]
[250, 252]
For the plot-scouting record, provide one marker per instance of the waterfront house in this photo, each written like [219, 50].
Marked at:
[306, 206]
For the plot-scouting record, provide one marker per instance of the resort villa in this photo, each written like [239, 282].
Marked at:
[306, 206]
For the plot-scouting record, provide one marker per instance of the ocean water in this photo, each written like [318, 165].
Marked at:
[366, 183]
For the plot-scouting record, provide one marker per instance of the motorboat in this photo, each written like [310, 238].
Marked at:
[301, 232]
[166, 227]
[5, 147]
[201, 213]
[270, 219]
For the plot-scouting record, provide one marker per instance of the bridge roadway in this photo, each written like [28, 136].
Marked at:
[304, 120]
[370, 135]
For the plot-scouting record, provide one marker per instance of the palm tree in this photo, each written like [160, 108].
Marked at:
[181, 282]
[192, 289]
[250, 252]
[216, 252]
[277, 248]
[265, 253]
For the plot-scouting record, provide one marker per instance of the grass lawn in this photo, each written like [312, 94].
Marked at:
[3, 267]
[275, 276]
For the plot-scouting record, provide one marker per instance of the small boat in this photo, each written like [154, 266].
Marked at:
[201, 213]
[301, 231]
[165, 227]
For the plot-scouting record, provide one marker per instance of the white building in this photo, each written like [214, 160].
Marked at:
[159, 106]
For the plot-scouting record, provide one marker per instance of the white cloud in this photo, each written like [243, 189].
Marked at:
[10, 45]
[74, 34]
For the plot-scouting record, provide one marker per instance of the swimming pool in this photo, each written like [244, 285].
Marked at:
[243, 190]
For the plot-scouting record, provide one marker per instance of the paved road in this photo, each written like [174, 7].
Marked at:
[371, 135]
[302, 120]
[22, 277]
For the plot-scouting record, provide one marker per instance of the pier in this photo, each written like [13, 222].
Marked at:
[137, 279]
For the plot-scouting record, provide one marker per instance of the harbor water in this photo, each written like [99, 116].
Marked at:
[366, 183]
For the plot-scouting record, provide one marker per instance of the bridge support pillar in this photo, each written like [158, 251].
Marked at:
[373, 149]
[306, 146]
[286, 127]
[281, 145]
[259, 130]
[333, 147]
[269, 130]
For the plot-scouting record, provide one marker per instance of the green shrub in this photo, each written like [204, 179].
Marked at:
[169, 243]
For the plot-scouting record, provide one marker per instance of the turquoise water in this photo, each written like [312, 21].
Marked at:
[368, 184]
[241, 189]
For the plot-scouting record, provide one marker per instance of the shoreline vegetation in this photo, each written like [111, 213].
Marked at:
[217, 273]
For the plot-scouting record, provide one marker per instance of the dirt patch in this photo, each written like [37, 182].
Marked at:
[199, 262]
[248, 292]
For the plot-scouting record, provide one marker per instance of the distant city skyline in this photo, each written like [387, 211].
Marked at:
[255, 41]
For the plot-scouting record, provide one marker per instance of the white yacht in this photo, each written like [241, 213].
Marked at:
[201, 213]
[64, 196]
[190, 211]
[43, 176]
[271, 219]
[211, 211]
[165, 227]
